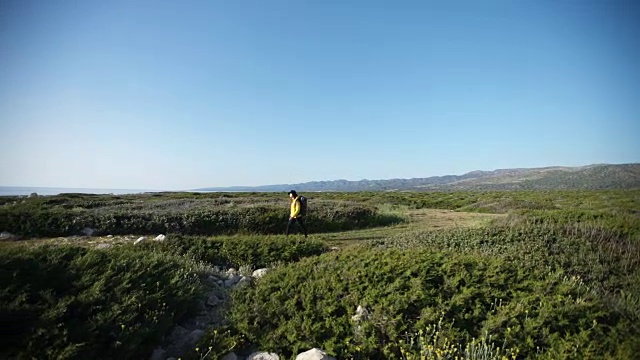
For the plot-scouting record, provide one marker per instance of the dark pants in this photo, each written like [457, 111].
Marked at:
[300, 221]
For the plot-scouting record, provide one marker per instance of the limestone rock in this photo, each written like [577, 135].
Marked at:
[362, 314]
[314, 354]
[263, 356]
[244, 281]
[5, 235]
[232, 280]
[230, 356]
[260, 273]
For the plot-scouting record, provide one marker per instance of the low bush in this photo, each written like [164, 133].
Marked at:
[61, 302]
[526, 309]
[61, 216]
[235, 251]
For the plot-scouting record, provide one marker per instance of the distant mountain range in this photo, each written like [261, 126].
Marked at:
[600, 176]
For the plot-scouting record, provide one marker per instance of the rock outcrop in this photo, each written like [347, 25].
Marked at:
[185, 335]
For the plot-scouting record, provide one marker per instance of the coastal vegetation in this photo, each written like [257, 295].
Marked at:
[526, 274]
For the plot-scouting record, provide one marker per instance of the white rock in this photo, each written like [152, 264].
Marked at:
[263, 356]
[140, 239]
[5, 235]
[244, 281]
[231, 272]
[109, 236]
[158, 354]
[260, 273]
[334, 248]
[361, 314]
[160, 238]
[230, 356]
[314, 354]
[103, 246]
[232, 280]
[88, 231]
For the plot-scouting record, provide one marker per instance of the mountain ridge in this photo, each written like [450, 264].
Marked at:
[595, 176]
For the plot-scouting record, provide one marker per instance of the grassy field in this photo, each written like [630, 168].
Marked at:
[477, 275]
[415, 219]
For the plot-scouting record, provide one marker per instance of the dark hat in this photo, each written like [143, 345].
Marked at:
[293, 192]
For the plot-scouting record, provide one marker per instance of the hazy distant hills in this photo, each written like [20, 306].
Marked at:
[601, 176]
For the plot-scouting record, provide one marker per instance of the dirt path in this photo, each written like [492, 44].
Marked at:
[422, 219]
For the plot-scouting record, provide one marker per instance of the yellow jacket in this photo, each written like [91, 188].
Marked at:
[295, 207]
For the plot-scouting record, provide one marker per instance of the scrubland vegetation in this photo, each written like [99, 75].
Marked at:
[556, 276]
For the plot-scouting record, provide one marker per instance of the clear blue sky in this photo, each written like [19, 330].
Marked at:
[186, 94]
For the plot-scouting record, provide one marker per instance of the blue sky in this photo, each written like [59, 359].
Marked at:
[181, 95]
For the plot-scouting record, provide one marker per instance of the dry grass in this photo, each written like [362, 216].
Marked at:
[421, 219]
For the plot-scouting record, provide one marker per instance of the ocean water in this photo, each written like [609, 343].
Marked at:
[21, 191]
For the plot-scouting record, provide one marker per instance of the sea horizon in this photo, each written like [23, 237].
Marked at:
[48, 191]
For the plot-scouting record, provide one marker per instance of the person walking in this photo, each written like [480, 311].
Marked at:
[298, 212]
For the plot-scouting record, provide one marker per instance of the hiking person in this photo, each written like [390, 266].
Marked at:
[298, 211]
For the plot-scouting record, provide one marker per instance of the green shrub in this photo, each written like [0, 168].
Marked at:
[59, 302]
[216, 343]
[310, 304]
[235, 251]
[69, 215]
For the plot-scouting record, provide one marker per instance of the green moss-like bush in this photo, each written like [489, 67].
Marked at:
[60, 302]
[234, 251]
[527, 309]
[69, 215]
